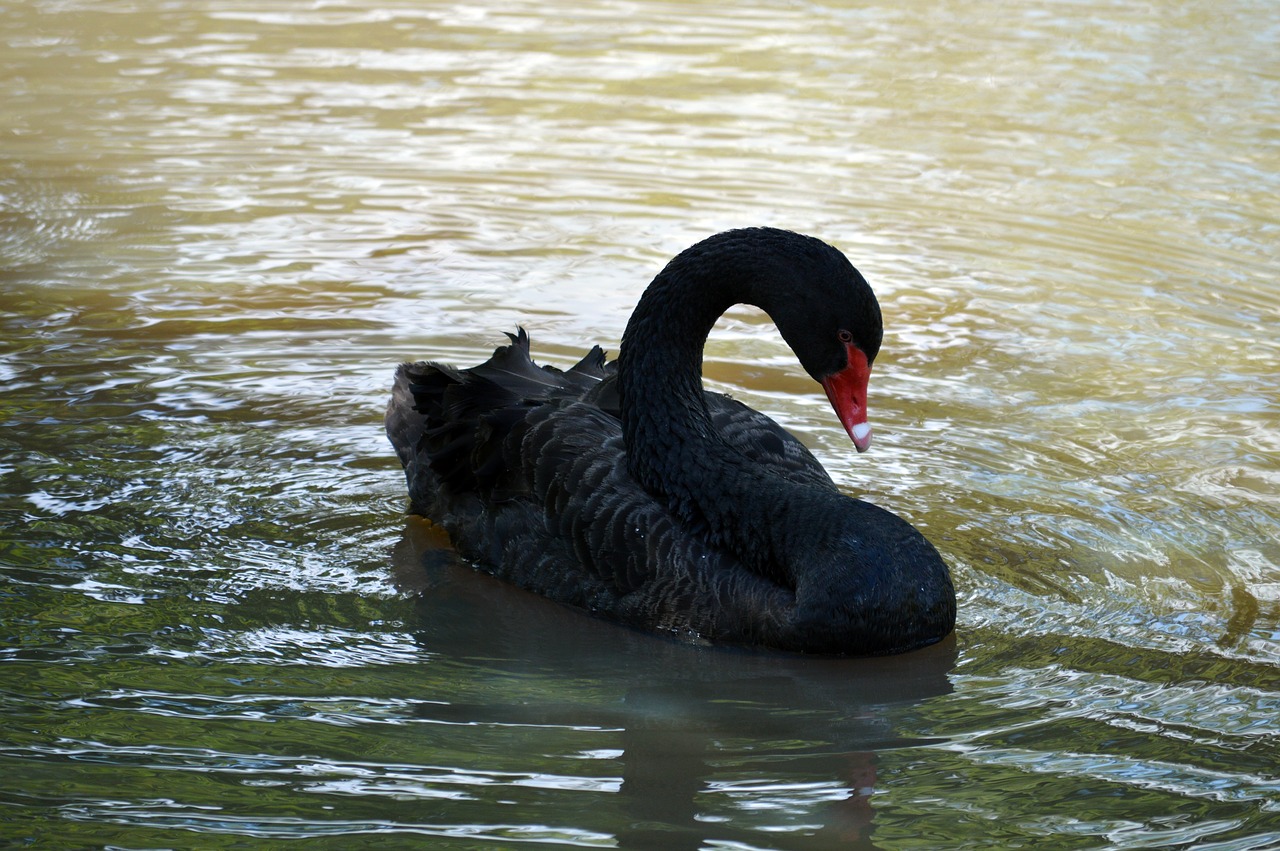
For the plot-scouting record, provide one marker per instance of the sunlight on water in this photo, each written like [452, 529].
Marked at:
[223, 223]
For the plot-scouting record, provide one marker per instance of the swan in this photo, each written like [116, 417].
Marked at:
[626, 490]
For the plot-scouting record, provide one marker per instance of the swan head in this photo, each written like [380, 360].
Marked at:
[829, 315]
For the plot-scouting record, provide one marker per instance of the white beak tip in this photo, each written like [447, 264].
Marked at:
[861, 434]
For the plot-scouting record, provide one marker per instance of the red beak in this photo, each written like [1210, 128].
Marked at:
[847, 392]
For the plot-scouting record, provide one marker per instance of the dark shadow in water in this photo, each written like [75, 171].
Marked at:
[691, 717]
[1244, 616]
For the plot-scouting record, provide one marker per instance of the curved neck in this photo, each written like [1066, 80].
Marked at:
[665, 422]
[672, 449]
[664, 414]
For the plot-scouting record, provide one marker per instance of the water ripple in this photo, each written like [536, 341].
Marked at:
[222, 225]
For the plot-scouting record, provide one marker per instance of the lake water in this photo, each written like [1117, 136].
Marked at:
[223, 222]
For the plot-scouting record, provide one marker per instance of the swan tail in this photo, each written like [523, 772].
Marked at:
[449, 426]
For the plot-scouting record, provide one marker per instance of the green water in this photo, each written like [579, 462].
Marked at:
[223, 223]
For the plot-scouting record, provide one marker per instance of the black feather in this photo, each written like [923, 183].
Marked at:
[624, 489]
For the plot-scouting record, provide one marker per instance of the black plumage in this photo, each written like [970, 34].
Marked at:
[626, 490]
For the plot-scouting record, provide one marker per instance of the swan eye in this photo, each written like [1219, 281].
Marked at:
[845, 336]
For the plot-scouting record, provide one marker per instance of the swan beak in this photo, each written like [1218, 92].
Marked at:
[847, 393]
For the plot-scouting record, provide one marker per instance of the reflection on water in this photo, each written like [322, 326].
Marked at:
[223, 223]
[679, 723]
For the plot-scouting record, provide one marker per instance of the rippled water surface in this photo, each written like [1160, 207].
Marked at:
[223, 222]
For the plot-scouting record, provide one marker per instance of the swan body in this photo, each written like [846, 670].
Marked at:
[624, 489]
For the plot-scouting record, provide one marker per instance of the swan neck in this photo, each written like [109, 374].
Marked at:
[673, 450]
[660, 373]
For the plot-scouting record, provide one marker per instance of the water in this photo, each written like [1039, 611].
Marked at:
[223, 223]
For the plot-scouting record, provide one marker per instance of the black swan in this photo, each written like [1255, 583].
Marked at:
[626, 490]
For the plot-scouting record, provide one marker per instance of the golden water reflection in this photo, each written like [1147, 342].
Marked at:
[223, 222]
